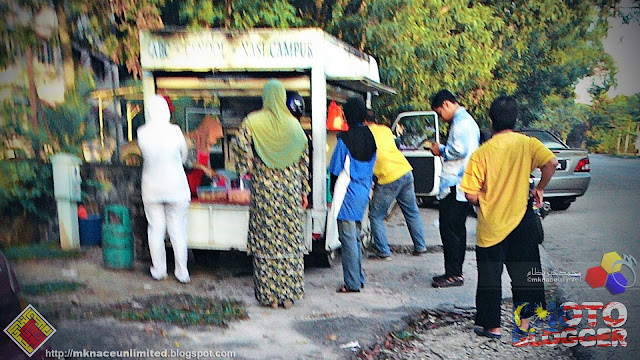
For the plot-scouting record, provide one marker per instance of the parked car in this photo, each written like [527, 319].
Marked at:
[572, 175]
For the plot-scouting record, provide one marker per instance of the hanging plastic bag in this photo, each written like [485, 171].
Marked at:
[335, 118]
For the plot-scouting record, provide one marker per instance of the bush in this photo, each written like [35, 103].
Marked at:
[26, 186]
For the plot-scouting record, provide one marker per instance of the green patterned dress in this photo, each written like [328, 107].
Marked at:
[275, 223]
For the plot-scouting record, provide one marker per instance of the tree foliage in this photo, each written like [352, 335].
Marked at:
[536, 50]
[67, 122]
[549, 45]
[613, 122]
[112, 27]
[426, 46]
[238, 14]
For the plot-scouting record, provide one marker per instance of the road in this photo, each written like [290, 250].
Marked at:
[605, 219]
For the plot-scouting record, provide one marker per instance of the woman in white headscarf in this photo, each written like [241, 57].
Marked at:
[272, 147]
[165, 192]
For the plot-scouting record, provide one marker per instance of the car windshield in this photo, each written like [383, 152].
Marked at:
[413, 130]
[546, 138]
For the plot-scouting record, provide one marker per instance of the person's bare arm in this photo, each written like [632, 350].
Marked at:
[472, 198]
[548, 170]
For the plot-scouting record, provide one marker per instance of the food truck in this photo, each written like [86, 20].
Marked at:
[232, 67]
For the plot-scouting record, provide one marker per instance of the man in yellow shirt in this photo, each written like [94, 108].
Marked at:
[394, 180]
[497, 181]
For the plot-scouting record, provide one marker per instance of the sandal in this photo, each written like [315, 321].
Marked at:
[486, 333]
[439, 277]
[448, 282]
[344, 289]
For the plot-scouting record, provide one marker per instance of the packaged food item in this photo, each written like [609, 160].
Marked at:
[239, 196]
[212, 194]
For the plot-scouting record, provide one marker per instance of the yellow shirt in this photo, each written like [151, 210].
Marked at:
[390, 165]
[498, 172]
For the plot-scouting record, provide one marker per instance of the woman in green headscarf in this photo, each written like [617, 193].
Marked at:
[272, 147]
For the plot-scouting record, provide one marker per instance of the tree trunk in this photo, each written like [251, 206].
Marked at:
[229, 12]
[33, 96]
[626, 140]
[65, 44]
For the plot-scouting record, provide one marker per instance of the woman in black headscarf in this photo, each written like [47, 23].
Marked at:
[351, 170]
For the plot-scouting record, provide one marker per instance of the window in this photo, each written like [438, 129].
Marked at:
[412, 131]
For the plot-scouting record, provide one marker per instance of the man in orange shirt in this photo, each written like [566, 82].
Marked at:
[496, 180]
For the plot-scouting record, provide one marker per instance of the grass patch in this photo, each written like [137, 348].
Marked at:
[182, 309]
[51, 287]
[46, 250]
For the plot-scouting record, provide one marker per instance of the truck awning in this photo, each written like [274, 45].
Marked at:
[363, 85]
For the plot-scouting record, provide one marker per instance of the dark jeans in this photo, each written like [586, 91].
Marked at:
[453, 232]
[519, 252]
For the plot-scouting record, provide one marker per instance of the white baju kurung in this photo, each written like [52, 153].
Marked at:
[165, 191]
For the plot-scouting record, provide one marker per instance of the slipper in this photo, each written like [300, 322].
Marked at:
[439, 277]
[448, 282]
[343, 290]
[484, 332]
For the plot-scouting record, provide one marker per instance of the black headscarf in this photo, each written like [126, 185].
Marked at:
[358, 139]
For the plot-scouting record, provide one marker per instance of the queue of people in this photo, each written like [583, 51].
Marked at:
[367, 170]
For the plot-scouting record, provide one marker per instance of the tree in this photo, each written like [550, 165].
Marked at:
[22, 34]
[549, 45]
[238, 14]
[564, 118]
[64, 33]
[112, 27]
[423, 47]
[613, 123]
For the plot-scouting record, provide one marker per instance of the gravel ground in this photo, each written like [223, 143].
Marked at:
[449, 335]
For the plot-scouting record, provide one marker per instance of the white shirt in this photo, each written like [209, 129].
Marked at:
[164, 150]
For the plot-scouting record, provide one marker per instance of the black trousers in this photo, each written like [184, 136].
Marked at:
[453, 232]
[520, 253]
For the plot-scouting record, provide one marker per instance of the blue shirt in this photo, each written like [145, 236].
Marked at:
[463, 140]
[356, 198]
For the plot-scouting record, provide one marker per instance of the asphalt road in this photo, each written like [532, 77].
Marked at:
[604, 220]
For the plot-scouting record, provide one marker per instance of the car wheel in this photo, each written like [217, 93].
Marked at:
[559, 205]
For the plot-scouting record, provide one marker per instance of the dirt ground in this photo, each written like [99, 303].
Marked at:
[397, 299]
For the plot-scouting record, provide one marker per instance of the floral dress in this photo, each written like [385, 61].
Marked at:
[276, 239]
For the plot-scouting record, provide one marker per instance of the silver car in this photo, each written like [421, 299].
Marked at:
[572, 175]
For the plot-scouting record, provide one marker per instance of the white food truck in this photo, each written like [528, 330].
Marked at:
[233, 67]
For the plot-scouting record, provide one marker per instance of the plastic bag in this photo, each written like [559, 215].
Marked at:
[335, 118]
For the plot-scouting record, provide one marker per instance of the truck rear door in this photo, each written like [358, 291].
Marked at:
[415, 131]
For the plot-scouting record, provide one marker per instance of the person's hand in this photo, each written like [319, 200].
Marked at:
[305, 201]
[435, 149]
[210, 172]
[538, 196]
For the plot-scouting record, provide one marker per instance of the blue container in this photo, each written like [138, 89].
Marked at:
[90, 230]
